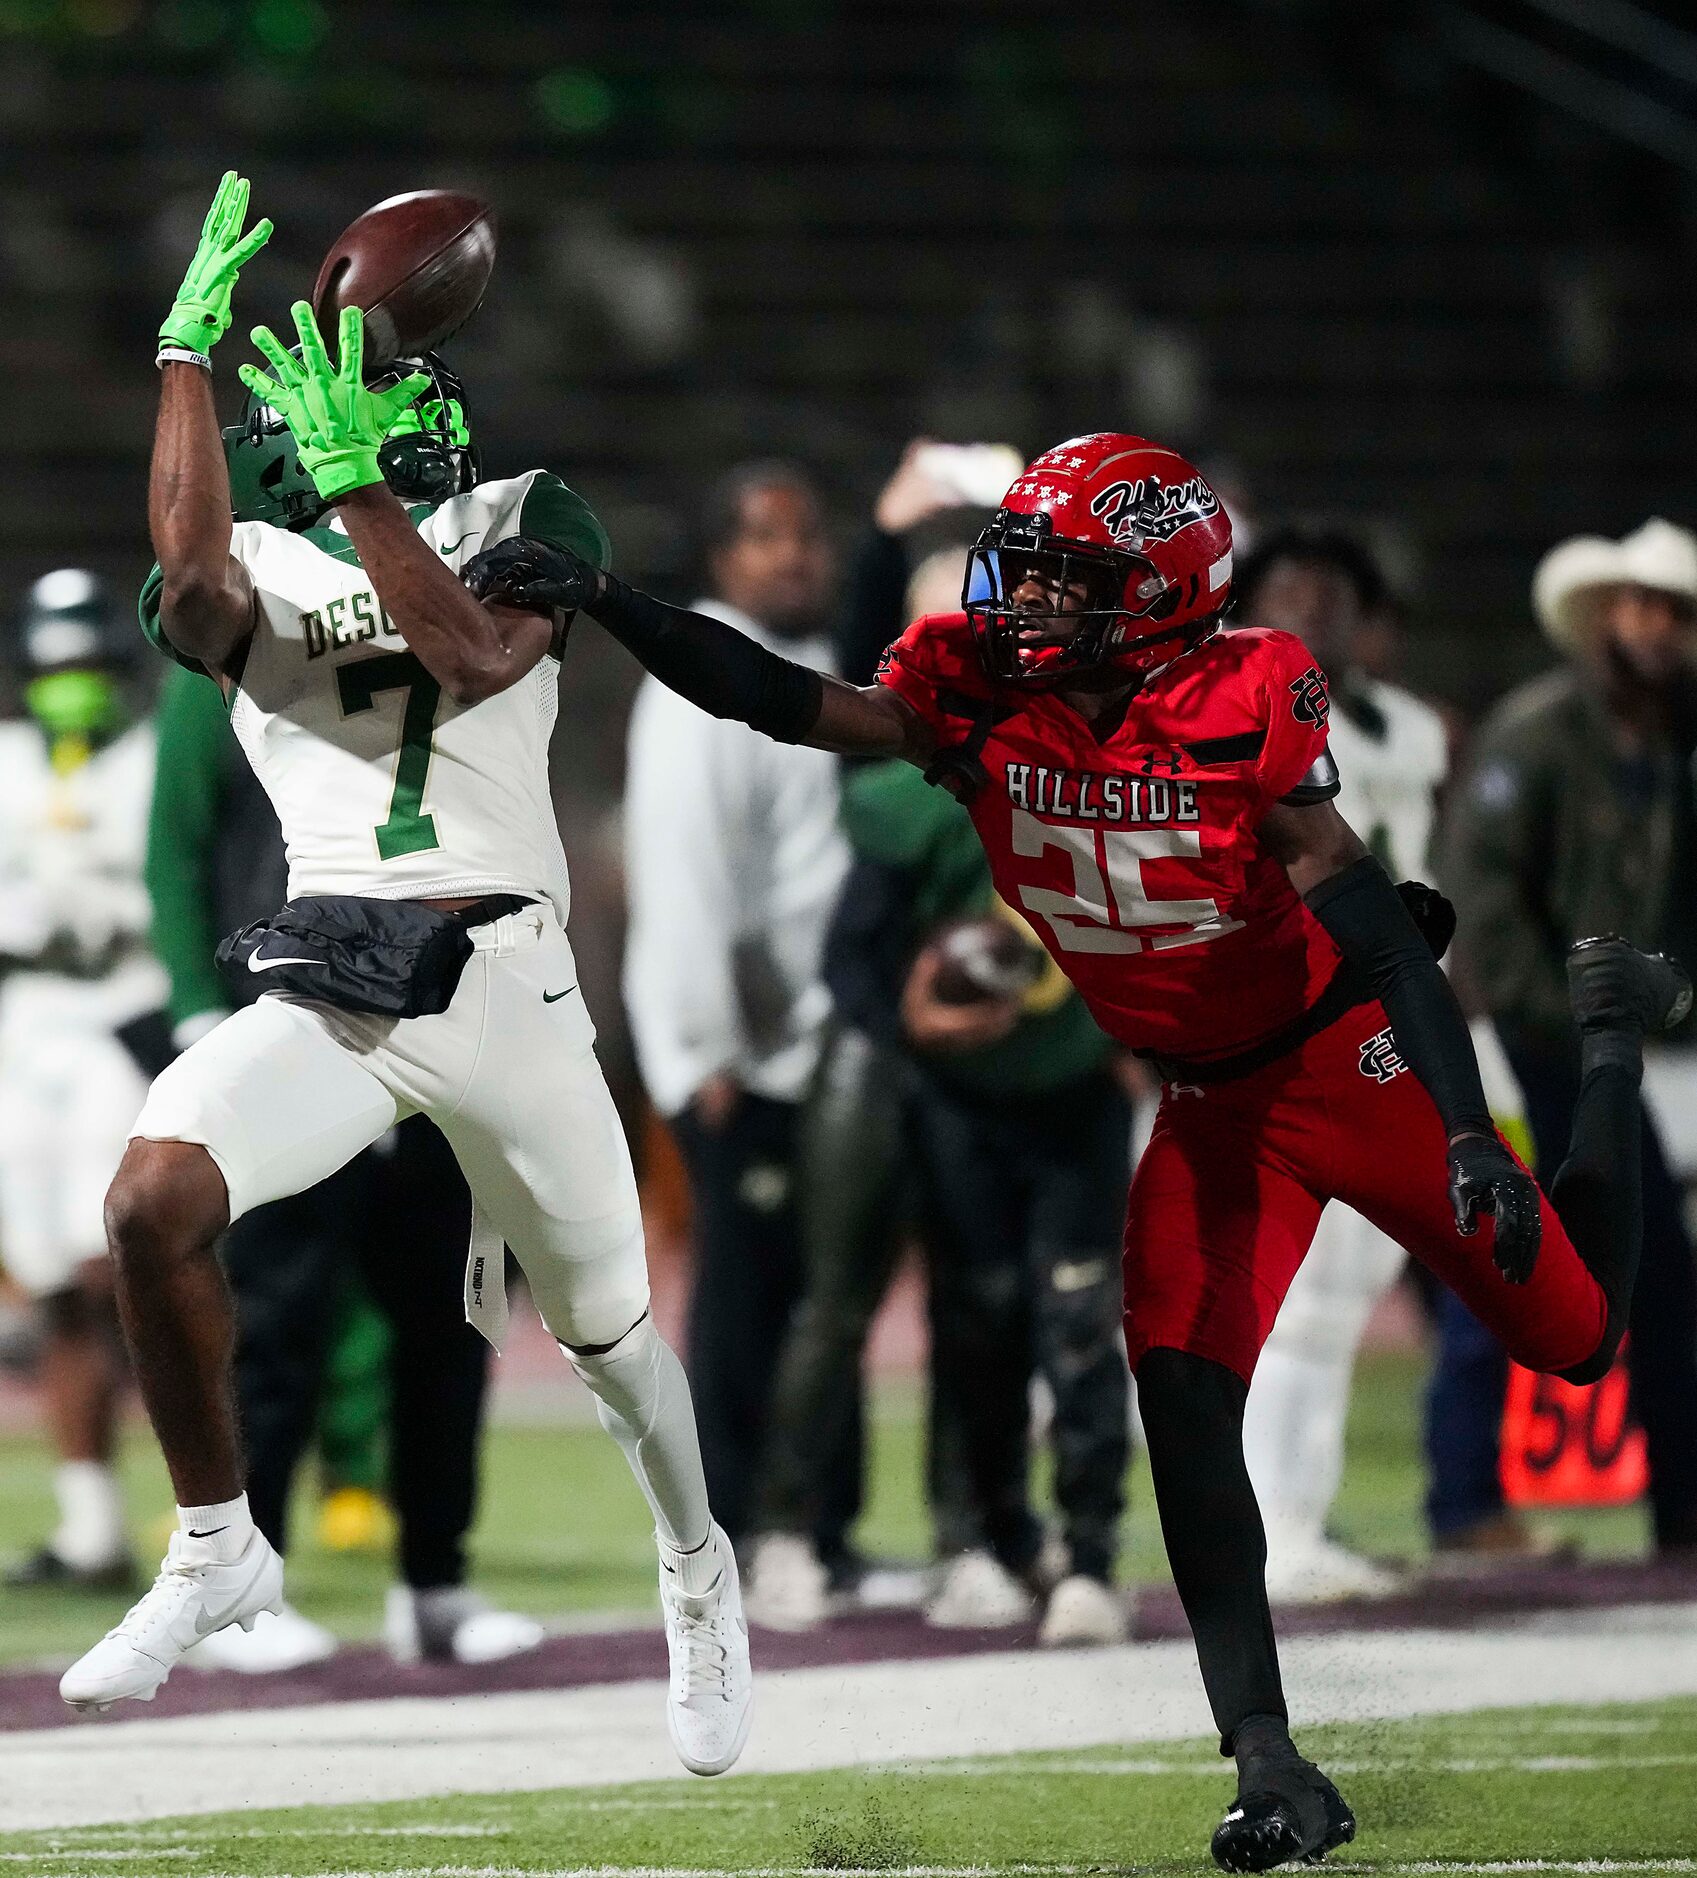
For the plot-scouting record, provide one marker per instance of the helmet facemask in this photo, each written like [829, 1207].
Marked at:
[428, 456]
[1097, 599]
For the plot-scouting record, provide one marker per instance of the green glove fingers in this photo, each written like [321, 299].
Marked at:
[200, 314]
[337, 422]
[391, 403]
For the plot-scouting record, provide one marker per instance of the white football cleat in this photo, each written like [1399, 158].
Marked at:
[710, 1704]
[978, 1592]
[193, 1596]
[1317, 1570]
[453, 1625]
[1083, 1612]
[276, 1641]
[788, 1587]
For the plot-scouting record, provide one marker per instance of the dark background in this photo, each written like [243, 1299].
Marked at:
[1426, 268]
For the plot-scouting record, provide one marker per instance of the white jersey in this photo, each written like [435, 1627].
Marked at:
[384, 787]
[1392, 756]
[74, 912]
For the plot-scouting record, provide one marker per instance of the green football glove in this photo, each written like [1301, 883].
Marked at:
[337, 423]
[200, 315]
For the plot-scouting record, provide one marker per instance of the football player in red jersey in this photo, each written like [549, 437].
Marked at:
[1155, 795]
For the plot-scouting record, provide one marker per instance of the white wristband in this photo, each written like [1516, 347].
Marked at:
[181, 355]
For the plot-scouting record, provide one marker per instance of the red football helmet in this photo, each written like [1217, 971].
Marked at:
[1120, 548]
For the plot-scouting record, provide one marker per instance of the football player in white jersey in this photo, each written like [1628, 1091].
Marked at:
[400, 728]
[74, 787]
[1391, 752]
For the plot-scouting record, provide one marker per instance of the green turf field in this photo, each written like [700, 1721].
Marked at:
[563, 1530]
[1564, 1788]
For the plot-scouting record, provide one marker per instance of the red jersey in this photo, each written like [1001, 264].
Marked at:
[1133, 852]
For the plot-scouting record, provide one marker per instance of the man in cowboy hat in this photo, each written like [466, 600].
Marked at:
[1577, 816]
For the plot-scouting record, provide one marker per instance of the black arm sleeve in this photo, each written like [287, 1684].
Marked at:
[1368, 919]
[869, 948]
[711, 664]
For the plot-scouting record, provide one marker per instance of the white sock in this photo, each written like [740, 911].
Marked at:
[91, 1515]
[222, 1530]
[696, 1572]
[642, 1397]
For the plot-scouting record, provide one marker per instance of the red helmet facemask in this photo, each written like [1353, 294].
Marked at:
[1109, 552]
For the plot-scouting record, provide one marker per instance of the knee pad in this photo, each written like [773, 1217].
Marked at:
[621, 1375]
[590, 1295]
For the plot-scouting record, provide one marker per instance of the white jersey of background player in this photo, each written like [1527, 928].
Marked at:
[1391, 754]
[400, 729]
[74, 790]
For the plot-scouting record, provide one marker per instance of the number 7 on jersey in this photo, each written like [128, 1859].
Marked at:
[408, 830]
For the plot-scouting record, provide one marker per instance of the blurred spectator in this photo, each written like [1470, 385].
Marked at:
[733, 859]
[79, 1004]
[399, 1216]
[1022, 1135]
[1390, 750]
[1021, 1156]
[928, 482]
[1576, 818]
[856, 1146]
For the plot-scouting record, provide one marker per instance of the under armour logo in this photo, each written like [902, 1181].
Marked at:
[1379, 1058]
[1311, 703]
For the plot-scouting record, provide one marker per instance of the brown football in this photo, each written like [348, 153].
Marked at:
[416, 264]
[984, 958]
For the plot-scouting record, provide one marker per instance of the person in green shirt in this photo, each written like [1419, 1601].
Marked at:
[1012, 1112]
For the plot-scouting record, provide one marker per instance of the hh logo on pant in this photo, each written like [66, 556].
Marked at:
[1379, 1057]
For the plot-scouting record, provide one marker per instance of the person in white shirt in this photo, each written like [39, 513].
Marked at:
[1391, 754]
[80, 997]
[733, 860]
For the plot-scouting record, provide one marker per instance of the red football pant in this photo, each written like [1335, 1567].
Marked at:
[1228, 1194]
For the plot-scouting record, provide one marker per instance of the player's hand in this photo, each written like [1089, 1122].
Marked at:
[338, 424]
[932, 1023]
[1486, 1178]
[1431, 911]
[534, 575]
[200, 314]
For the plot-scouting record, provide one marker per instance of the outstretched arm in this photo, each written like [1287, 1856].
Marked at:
[1351, 895]
[206, 600]
[715, 667]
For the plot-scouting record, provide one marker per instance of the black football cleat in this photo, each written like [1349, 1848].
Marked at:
[1614, 986]
[1285, 1810]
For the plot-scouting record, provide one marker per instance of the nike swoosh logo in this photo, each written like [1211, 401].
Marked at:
[553, 997]
[209, 1535]
[256, 964]
[454, 547]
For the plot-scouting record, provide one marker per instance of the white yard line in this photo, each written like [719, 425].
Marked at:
[811, 1718]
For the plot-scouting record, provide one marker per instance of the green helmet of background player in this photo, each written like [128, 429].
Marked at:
[427, 457]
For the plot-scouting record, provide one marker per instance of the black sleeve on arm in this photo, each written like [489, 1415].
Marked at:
[1370, 923]
[724, 672]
